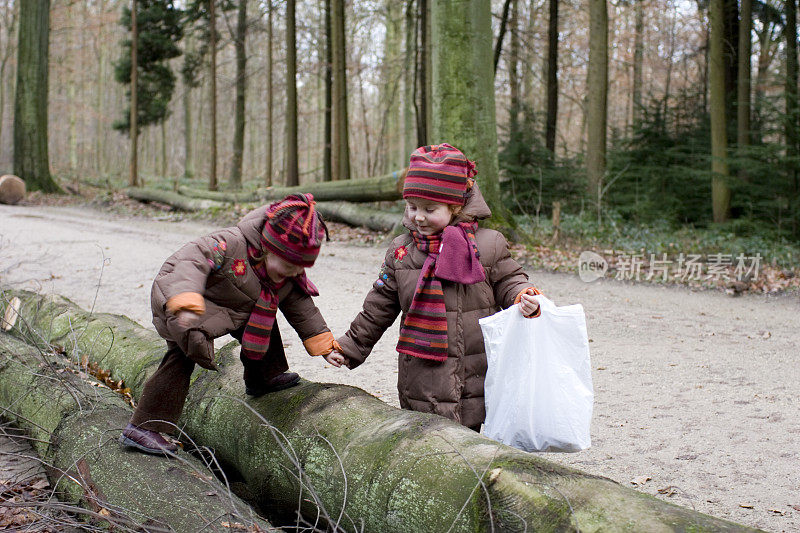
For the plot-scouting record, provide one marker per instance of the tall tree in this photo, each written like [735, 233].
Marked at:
[463, 111]
[192, 62]
[292, 170]
[638, 57]
[743, 87]
[151, 83]
[391, 143]
[423, 68]
[133, 126]
[498, 47]
[552, 78]
[597, 89]
[241, 87]
[327, 173]
[513, 71]
[212, 30]
[8, 24]
[720, 193]
[769, 36]
[341, 144]
[31, 162]
[409, 77]
[268, 163]
[792, 108]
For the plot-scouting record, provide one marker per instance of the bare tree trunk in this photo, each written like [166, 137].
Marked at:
[133, 180]
[241, 88]
[498, 47]
[551, 120]
[188, 164]
[638, 55]
[327, 174]
[513, 71]
[268, 164]
[423, 72]
[792, 109]
[720, 194]
[341, 143]
[212, 23]
[597, 100]
[409, 104]
[292, 171]
[766, 52]
[743, 90]
[163, 149]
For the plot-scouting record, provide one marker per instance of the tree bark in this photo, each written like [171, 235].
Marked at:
[551, 120]
[513, 71]
[423, 75]
[188, 160]
[212, 25]
[341, 145]
[409, 104]
[241, 88]
[31, 161]
[354, 457]
[720, 193]
[75, 436]
[291, 165]
[463, 89]
[597, 84]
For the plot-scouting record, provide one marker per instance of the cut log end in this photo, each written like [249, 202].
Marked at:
[12, 189]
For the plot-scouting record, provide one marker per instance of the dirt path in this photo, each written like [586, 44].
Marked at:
[697, 393]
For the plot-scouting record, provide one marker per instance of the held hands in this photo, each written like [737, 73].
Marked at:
[336, 357]
[528, 304]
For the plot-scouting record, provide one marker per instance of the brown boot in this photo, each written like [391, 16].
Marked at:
[279, 382]
[146, 440]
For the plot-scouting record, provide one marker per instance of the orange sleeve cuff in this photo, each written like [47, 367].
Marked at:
[321, 344]
[187, 301]
[530, 290]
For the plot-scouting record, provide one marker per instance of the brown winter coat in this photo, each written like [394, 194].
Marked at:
[452, 388]
[228, 296]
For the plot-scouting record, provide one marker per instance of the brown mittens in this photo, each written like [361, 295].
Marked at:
[200, 349]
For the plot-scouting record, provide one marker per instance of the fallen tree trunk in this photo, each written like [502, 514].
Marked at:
[363, 464]
[358, 215]
[383, 188]
[75, 426]
[221, 196]
[171, 198]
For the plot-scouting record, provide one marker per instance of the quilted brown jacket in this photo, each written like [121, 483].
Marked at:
[452, 388]
[216, 267]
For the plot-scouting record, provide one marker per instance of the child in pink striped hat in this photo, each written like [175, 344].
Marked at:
[233, 281]
[444, 275]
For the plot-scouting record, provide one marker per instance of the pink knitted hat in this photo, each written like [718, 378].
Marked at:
[439, 173]
[294, 230]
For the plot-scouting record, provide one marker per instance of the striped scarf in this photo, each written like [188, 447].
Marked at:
[424, 331]
[255, 339]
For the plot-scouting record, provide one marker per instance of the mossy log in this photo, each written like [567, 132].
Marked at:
[367, 466]
[173, 199]
[229, 197]
[378, 189]
[74, 427]
[359, 215]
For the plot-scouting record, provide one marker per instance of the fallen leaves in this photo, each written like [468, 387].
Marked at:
[640, 480]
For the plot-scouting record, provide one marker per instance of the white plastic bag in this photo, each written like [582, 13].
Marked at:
[538, 385]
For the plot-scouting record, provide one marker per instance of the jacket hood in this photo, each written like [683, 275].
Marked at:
[475, 208]
[252, 224]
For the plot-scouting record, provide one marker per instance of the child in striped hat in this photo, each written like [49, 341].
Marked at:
[444, 275]
[233, 282]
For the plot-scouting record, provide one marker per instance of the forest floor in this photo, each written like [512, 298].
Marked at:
[696, 394]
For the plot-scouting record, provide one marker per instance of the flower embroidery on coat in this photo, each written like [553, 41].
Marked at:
[400, 253]
[239, 267]
[218, 255]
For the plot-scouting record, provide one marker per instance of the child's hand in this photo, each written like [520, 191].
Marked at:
[336, 359]
[187, 319]
[528, 304]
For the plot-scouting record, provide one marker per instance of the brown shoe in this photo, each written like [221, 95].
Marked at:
[146, 440]
[279, 382]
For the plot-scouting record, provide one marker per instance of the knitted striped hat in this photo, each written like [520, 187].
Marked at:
[438, 173]
[294, 230]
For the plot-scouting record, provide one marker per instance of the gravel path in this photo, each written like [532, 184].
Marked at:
[696, 393]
